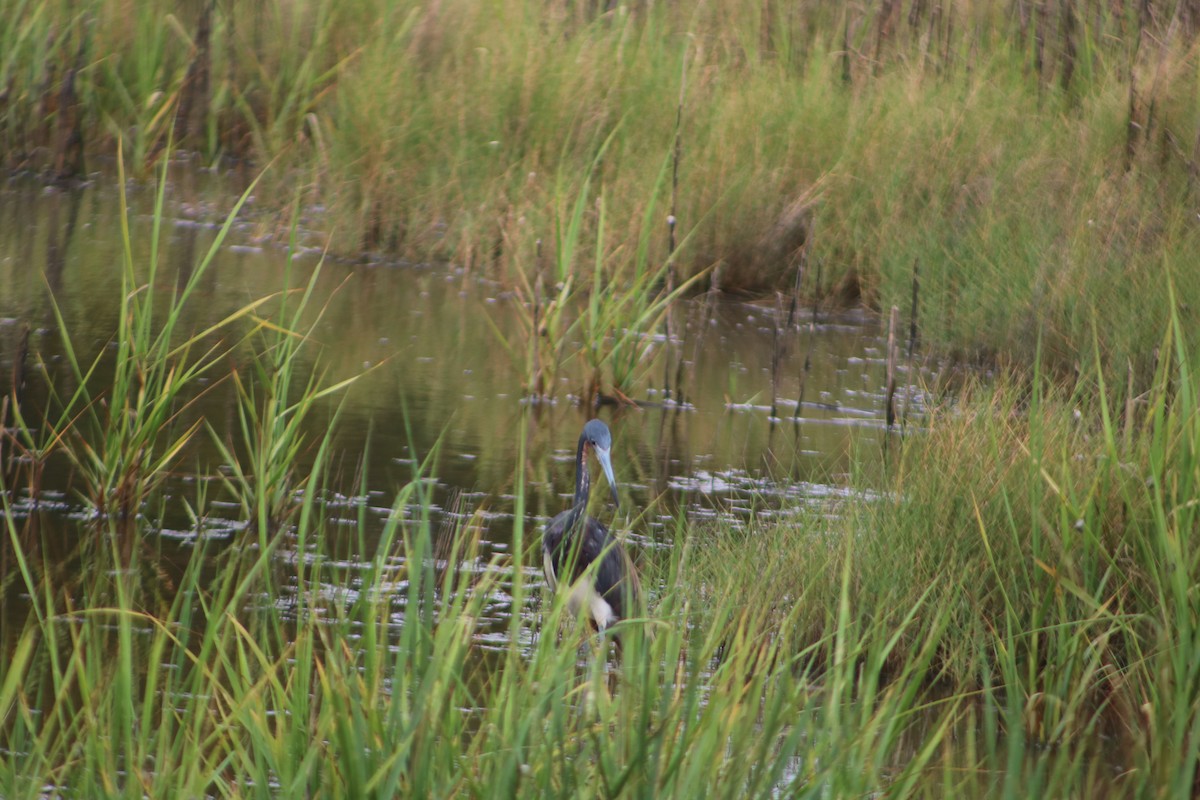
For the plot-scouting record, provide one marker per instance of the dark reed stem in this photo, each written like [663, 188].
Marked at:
[776, 353]
[672, 220]
[846, 49]
[1070, 49]
[194, 95]
[68, 136]
[812, 335]
[883, 28]
[1039, 41]
[12, 401]
[946, 45]
[912, 322]
[912, 338]
[1131, 124]
[890, 406]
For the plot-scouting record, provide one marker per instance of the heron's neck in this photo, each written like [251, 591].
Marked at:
[583, 481]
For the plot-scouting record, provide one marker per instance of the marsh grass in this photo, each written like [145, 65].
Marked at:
[605, 328]
[374, 684]
[123, 420]
[1013, 613]
[443, 132]
[1021, 584]
[1036, 543]
[277, 395]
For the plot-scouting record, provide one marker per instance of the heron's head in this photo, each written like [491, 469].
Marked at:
[599, 438]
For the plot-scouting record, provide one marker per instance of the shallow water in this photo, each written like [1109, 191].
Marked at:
[438, 381]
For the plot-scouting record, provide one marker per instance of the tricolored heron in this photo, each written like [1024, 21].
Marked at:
[573, 541]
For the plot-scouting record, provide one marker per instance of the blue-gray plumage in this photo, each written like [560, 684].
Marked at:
[573, 541]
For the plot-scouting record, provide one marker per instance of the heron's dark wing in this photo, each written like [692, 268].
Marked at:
[615, 578]
[570, 556]
[569, 553]
[556, 530]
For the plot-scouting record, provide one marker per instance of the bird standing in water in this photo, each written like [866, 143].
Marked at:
[573, 541]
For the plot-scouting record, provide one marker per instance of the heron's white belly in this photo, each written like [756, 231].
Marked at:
[583, 595]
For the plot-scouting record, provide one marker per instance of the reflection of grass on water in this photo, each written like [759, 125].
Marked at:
[1016, 617]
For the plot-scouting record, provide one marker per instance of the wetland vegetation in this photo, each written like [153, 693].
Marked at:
[216, 584]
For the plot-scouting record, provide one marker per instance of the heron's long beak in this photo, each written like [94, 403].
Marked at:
[606, 463]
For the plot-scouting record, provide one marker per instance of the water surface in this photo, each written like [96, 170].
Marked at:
[438, 380]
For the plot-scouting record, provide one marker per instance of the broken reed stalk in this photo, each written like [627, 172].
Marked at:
[194, 97]
[930, 38]
[680, 399]
[68, 134]
[1194, 163]
[776, 354]
[1039, 44]
[812, 335]
[798, 284]
[1127, 428]
[669, 321]
[890, 405]
[915, 12]
[884, 27]
[912, 336]
[1159, 69]
[12, 401]
[537, 383]
[1022, 12]
[945, 65]
[1131, 124]
[706, 312]
[846, 49]
[1069, 46]
[676, 158]
[912, 321]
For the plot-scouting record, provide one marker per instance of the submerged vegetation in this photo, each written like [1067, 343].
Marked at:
[1036, 163]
